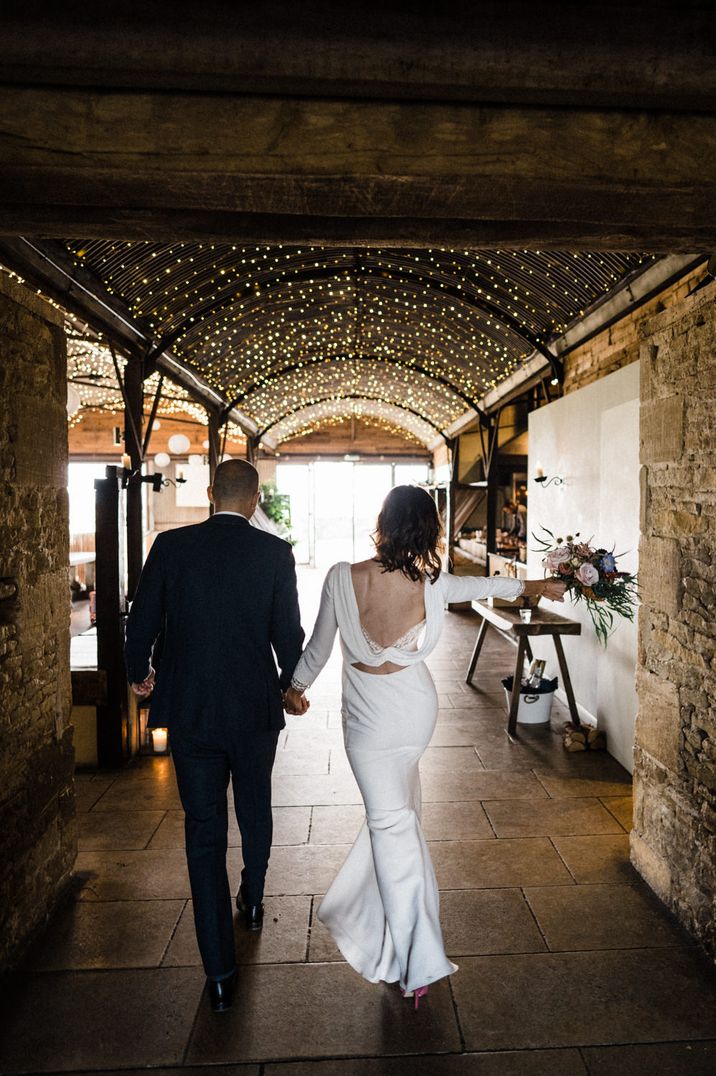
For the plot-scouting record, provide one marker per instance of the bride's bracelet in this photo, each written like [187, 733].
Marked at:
[298, 686]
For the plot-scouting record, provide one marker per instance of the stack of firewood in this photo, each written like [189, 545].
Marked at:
[584, 738]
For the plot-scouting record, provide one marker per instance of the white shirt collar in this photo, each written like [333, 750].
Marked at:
[225, 513]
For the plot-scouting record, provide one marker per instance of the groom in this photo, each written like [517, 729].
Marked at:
[222, 594]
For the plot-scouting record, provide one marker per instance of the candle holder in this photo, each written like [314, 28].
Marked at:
[160, 741]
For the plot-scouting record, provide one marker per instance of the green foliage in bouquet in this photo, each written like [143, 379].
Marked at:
[591, 576]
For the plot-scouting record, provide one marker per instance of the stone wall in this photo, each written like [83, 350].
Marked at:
[36, 761]
[674, 836]
[619, 345]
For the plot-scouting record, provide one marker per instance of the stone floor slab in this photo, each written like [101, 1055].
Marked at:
[597, 859]
[524, 818]
[89, 790]
[481, 785]
[662, 1059]
[547, 1000]
[336, 825]
[297, 791]
[146, 875]
[75, 1021]
[307, 760]
[560, 787]
[496, 864]
[283, 940]
[454, 734]
[304, 869]
[104, 829]
[290, 826]
[450, 760]
[139, 795]
[535, 1063]
[321, 946]
[603, 917]
[480, 921]
[117, 934]
[321, 1010]
[455, 821]
[622, 807]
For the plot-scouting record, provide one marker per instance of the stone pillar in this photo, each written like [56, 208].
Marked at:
[674, 836]
[36, 765]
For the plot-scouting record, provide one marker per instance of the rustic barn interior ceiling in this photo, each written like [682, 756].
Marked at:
[407, 338]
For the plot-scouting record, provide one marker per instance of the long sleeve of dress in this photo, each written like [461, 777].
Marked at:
[320, 644]
[465, 588]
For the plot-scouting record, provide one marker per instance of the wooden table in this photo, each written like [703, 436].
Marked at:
[506, 621]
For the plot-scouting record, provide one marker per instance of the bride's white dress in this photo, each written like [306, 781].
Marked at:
[383, 906]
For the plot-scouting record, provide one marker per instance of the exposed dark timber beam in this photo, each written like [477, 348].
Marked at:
[291, 169]
[647, 53]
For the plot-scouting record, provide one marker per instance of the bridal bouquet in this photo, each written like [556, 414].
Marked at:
[591, 576]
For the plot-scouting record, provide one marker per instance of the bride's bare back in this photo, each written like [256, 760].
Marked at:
[389, 604]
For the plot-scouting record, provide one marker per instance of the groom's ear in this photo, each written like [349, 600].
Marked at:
[210, 494]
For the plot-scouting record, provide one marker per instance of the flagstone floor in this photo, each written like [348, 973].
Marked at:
[568, 964]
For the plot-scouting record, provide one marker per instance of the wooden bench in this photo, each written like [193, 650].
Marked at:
[506, 621]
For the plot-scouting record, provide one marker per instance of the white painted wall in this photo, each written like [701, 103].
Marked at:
[591, 439]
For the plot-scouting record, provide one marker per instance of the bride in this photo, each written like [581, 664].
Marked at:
[383, 907]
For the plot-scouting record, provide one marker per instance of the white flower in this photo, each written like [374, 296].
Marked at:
[587, 574]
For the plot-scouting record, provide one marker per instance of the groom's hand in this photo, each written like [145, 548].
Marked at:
[295, 702]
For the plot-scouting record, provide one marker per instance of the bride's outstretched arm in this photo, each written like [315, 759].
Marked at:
[464, 588]
[320, 644]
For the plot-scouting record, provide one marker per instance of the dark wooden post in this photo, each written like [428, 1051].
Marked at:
[112, 712]
[454, 457]
[252, 448]
[133, 406]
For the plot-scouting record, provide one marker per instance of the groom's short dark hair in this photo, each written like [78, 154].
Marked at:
[235, 480]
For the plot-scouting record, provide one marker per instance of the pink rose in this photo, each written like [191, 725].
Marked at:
[588, 575]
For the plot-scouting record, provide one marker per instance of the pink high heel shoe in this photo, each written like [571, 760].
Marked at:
[418, 993]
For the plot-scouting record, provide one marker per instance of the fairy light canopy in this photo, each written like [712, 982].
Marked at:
[296, 335]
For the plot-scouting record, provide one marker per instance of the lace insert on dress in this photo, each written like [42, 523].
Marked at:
[408, 641]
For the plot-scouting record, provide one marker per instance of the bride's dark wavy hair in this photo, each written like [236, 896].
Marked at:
[408, 534]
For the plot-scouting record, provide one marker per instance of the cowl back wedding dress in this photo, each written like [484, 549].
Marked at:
[383, 906]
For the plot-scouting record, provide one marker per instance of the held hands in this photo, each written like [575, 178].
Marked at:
[146, 687]
[294, 702]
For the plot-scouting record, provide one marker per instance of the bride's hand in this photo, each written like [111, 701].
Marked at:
[295, 702]
[553, 590]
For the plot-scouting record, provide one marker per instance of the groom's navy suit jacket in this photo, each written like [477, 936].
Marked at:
[222, 594]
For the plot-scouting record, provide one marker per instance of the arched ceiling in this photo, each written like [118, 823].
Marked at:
[418, 335]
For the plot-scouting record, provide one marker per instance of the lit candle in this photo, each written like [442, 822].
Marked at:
[539, 471]
[159, 740]
[127, 461]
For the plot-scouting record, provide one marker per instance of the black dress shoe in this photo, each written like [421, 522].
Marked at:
[253, 913]
[221, 994]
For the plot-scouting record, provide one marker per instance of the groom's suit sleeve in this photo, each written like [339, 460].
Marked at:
[146, 617]
[286, 631]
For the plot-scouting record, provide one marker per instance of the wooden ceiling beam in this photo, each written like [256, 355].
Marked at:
[645, 54]
[604, 178]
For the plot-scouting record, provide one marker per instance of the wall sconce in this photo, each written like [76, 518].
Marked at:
[545, 481]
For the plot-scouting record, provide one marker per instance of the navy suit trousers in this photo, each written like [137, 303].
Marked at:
[204, 765]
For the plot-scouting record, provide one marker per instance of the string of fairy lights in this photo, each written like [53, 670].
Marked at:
[287, 329]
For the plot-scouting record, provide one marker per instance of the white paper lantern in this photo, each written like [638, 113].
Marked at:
[205, 444]
[157, 424]
[179, 444]
[74, 401]
[162, 459]
[195, 460]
